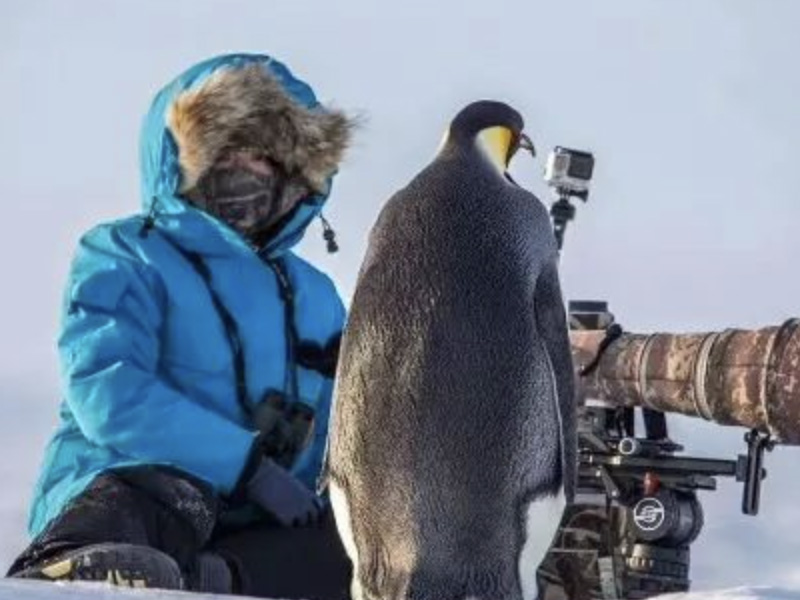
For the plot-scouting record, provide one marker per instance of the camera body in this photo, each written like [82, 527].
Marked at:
[569, 171]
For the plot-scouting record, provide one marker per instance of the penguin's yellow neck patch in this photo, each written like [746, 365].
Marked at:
[495, 142]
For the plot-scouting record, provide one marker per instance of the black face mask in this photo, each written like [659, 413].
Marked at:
[249, 202]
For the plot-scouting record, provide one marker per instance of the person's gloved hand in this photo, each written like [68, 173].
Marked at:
[283, 496]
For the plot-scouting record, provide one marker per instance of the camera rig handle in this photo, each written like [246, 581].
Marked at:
[751, 469]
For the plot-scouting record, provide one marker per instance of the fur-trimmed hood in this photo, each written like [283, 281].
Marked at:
[239, 101]
[248, 107]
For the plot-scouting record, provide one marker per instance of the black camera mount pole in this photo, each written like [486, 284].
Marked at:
[563, 211]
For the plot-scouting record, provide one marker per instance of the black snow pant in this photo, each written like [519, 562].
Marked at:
[178, 515]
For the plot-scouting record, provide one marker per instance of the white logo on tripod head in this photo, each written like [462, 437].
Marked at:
[649, 514]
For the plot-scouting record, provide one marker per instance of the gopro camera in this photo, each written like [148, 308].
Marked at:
[569, 171]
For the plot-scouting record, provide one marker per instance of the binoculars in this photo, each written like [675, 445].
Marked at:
[286, 427]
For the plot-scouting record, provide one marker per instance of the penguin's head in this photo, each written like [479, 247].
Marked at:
[494, 128]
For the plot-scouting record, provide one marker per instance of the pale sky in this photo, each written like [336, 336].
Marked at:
[690, 107]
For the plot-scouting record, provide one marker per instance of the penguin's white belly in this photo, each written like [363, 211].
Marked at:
[341, 512]
[541, 524]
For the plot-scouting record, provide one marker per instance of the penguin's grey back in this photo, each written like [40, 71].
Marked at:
[444, 385]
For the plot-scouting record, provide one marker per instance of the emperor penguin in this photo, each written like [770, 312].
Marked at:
[453, 436]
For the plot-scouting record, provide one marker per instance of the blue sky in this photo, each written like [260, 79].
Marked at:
[690, 107]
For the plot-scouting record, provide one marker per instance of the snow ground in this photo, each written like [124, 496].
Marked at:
[33, 590]
[738, 593]
[13, 589]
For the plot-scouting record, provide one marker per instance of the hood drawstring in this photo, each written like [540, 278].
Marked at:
[329, 235]
[149, 220]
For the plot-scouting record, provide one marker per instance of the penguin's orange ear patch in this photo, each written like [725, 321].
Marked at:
[247, 107]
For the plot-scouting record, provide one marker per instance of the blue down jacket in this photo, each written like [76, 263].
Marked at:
[147, 368]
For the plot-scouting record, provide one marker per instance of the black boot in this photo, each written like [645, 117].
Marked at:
[139, 526]
[125, 565]
[211, 574]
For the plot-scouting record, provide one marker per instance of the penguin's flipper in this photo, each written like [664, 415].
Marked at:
[553, 327]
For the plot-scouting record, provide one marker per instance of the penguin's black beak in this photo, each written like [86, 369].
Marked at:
[525, 143]
[520, 142]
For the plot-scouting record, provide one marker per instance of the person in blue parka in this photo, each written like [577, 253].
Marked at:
[198, 353]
